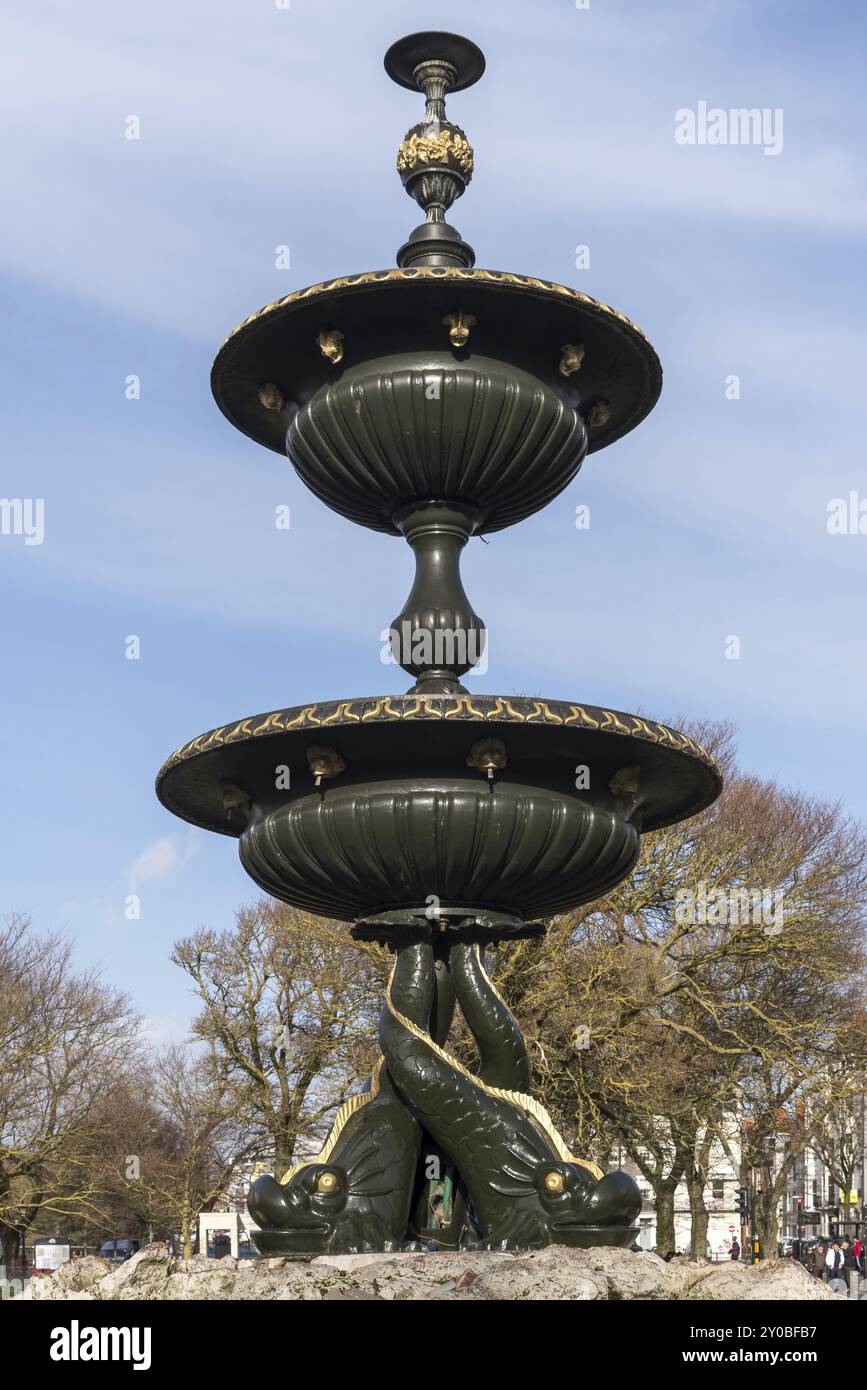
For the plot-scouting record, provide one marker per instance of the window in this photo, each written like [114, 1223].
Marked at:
[718, 1189]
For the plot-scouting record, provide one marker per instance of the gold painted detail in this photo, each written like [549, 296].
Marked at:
[342, 715]
[487, 754]
[349, 1108]
[435, 149]
[234, 797]
[271, 396]
[497, 709]
[528, 1104]
[451, 274]
[626, 781]
[324, 762]
[625, 787]
[491, 986]
[459, 326]
[331, 344]
[571, 357]
[599, 415]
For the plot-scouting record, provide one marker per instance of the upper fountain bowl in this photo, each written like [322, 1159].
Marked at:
[423, 425]
[350, 376]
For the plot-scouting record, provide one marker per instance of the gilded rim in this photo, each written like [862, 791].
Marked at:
[474, 708]
[495, 277]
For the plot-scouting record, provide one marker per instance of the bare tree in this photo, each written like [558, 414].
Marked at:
[66, 1043]
[840, 1141]
[289, 1010]
[195, 1148]
[721, 978]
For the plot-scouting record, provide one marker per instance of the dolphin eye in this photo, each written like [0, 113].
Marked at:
[554, 1181]
[326, 1182]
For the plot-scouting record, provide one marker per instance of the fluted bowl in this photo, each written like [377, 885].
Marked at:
[523, 850]
[589, 359]
[423, 425]
[404, 808]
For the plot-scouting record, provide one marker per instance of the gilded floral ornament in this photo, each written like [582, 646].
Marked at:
[435, 149]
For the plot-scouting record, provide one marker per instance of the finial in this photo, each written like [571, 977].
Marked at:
[435, 158]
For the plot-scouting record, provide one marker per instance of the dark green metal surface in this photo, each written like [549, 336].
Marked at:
[506, 1183]
[439, 402]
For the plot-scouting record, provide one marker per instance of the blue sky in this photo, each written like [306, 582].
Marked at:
[262, 127]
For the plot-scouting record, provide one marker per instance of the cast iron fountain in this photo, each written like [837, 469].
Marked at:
[439, 402]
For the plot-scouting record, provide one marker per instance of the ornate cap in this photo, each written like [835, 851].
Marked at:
[435, 158]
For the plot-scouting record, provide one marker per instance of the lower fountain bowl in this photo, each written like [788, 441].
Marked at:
[404, 811]
[362, 849]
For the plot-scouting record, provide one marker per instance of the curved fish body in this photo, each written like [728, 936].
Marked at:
[527, 1189]
[355, 1195]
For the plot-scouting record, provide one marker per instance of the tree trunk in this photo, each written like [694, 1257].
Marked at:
[767, 1224]
[664, 1194]
[699, 1217]
[282, 1158]
[186, 1234]
[9, 1245]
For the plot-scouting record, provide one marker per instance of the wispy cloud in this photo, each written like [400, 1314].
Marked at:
[162, 858]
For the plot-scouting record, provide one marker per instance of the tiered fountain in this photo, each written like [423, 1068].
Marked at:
[439, 402]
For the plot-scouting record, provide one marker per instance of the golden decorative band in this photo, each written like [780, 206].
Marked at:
[477, 951]
[349, 1108]
[482, 708]
[452, 274]
[435, 149]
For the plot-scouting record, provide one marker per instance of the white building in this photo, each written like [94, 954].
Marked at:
[720, 1198]
[811, 1205]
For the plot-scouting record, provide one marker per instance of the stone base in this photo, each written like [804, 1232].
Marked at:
[552, 1274]
[280, 1244]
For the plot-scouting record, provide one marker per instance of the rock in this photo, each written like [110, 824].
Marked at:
[349, 1261]
[308, 1293]
[146, 1273]
[639, 1276]
[772, 1279]
[72, 1278]
[553, 1274]
[195, 1262]
[345, 1295]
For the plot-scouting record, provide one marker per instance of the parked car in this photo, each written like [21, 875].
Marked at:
[118, 1251]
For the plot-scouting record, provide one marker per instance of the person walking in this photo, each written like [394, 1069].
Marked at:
[735, 1251]
[858, 1252]
[834, 1264]
[815, 1260]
